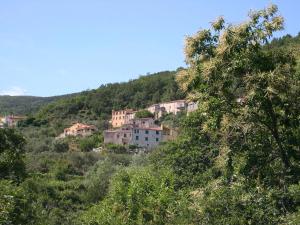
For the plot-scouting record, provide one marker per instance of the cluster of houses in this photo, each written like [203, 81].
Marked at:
[143, 132]
[128, 130]
[10, 121]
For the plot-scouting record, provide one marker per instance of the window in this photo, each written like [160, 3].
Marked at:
[125, 135]
[157, 132]
[135, 131]
[146, 138]
[137, 138]
[157, 139]
[146, 131]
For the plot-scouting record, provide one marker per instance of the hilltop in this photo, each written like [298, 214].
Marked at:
[98, 104]
[23, 104]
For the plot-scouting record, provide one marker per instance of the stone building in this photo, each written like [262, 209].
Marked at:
[121, 117]
[79, 130]
[140, 132]
[174, 107]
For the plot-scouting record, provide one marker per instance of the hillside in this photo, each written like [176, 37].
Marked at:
[287, 42]
[23, 105]
[98, 103]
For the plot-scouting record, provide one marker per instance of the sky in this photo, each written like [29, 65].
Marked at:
[55, 47]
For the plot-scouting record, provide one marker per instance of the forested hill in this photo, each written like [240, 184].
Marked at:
[98, 103]
[287, 43]
[23, 105]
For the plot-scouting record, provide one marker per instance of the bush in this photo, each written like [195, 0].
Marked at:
[60, 145]
[144, 114]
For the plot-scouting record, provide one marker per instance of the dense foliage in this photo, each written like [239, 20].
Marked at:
[135, 94]
[143, 114]
[23, 105]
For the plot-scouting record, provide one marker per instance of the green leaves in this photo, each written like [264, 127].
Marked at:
[11, 155]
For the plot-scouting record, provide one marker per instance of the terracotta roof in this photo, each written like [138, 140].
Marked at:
[78, 126]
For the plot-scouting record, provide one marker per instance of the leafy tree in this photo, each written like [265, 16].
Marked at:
[248, 96]
[60, 145]
[247, 126]
[15, 205]
[143, 114]
[11, 155]
[140, 196]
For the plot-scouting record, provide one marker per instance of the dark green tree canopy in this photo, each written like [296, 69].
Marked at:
[144, 114]
[11, 155]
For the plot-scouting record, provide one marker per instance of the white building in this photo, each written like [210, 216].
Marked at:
[167, 107]
[147, 137]
[140, 132]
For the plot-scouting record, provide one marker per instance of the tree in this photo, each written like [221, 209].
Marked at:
[11, 155]
[242, 144]
[15, 205]
[248, 96]
[143, 196]
[144, 114]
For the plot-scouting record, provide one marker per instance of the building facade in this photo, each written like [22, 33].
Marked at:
[121, 117]
[147, 137]
[167, 107]
[140, 132]
[121, 136]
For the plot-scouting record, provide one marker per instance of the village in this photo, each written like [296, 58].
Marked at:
[140, 132]
[125, 128]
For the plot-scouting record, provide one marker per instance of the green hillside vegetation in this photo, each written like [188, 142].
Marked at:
[287, 42]
[234, 162]
[99, 103]
[24, 105]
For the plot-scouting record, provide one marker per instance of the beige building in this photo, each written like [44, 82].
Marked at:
[121, 117]
[79, 129]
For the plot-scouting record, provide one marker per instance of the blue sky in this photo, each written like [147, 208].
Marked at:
[55, 47]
